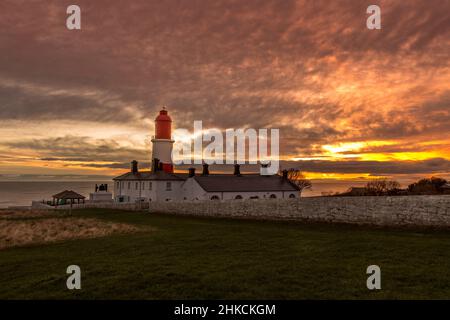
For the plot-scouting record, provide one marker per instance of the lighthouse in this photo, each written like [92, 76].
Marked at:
[163, 184]
[162, 143]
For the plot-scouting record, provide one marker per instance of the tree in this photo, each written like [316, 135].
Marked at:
[432, 185]
[296, 177]
[392, 187]
[382, 187]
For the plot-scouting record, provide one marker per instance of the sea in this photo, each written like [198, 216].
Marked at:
[22, 193]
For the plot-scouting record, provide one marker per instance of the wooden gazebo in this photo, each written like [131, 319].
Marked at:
[68, 197]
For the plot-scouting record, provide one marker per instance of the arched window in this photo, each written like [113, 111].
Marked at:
[292, 195]
[238, 197]
[215, 198]
[273, 196]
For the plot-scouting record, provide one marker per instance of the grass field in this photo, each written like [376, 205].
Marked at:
[201, 258]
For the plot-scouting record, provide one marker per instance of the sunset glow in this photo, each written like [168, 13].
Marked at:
[349, 102]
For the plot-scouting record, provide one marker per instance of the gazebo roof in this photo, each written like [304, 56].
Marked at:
[68, 194]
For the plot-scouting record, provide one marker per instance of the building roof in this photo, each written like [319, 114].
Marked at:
[244, 183]
[68, 194]
[149, 175]
[219, 182]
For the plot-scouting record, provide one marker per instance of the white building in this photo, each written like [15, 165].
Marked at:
[162, 184]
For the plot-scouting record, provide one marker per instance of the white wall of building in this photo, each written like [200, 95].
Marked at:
[249, 195]
[168, 191]
[193, 191]
[188, 190]
[147, 190]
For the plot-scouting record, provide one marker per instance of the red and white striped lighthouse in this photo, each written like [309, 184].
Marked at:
[162, 143]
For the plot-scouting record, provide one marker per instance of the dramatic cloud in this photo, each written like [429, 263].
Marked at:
[345, 96]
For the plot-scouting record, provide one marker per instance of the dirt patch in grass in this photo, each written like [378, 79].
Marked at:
[15, 232]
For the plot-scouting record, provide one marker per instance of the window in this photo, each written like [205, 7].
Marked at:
[273, 196]
[292, 195]
[150, 185]
[129, 185]
[254, 197]
[168, 186]
[215, 198]
[137, 186]
[238, 197]
[118, 185]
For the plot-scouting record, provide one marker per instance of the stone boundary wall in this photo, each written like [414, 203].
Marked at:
[94, 204]
[427, 211]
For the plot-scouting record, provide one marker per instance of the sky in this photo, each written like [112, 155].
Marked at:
[350, 103]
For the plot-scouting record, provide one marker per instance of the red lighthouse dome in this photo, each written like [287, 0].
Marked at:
[163, 125]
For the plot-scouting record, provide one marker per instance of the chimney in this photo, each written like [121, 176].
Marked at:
[205, 169]
[237, 169]
[285, 174]
[191, 172]
[155, 164]
[264, 171]
[134, 166]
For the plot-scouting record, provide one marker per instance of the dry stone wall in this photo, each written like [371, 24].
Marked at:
[382, 211]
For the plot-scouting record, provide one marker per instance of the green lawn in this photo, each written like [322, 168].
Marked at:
[202, 258]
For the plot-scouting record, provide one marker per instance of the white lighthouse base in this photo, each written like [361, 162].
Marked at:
[162, 150]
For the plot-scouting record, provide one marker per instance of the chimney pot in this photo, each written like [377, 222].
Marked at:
[285, 174]
[155, 164]
[205, 169]
[237, 169]
[134, 166]
[191, 172]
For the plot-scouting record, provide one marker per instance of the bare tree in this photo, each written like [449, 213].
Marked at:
[382, 187]
[298, 178]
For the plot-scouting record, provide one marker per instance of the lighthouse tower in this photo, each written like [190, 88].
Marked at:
[162, 143]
